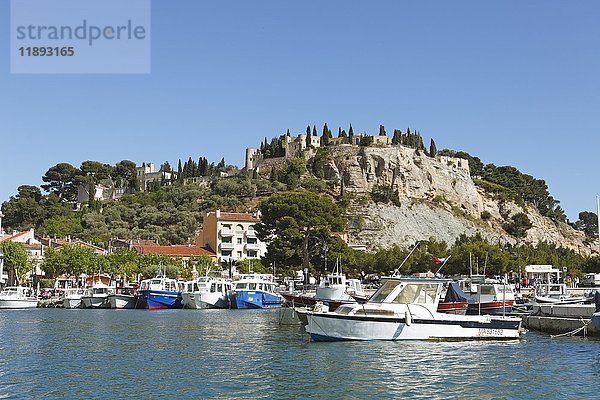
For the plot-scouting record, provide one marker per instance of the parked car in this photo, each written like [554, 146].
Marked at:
[591, 280]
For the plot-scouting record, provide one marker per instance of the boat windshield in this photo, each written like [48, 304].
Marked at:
[241, 285]
[384, 291]
[420, 293]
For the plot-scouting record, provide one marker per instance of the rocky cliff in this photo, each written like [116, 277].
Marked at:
[436, 197]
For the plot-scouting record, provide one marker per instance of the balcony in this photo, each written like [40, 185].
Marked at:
[227, 246]
[226, 232]
[253, 246]
[251, 233]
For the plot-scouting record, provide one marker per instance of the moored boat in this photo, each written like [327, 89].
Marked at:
[254, 291]
[97, 296]
[455, 300]
[71, 297]
[555, 293]
[206, 292]
[123, 298]
[15, 297]
[405, 309]
[159, 292]
[334, 290]
[492, 298]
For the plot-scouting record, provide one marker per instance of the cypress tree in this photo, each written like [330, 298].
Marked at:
[340, 131]
[314, 131]
[350, 132]
[432, 148]
[307, 130]
[179, 170]
[397, 138]
[382, 131]
[288, 133]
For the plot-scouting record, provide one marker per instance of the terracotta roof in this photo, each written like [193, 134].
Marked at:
[238, 217]
[176, 251]
[12, 237]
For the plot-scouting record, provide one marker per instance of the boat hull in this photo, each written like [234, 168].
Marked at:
[204, 300]
[94, 302]
[159, 299]
[304, 300]
[72, 303]
[333, 327]
[596, 320]
[490, 307]
[122, 301]
[17, 303]
[242, 299]
[456, 307]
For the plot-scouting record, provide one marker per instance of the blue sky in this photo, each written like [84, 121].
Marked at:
[512, 82]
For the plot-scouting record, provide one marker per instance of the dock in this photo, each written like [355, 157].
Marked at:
[562, 319]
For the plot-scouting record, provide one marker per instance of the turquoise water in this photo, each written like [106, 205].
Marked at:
[138, 354]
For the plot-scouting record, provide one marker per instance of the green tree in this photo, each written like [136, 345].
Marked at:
[382, 131]
[62, 179]
[432, 148]
[518, 225]
[124, 174]
[291, 221]
[588, 223]
[23, 211]
[62, 226]
[15, 259]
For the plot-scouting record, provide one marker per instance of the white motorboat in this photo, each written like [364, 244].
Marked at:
[555, 293]
[97, 296]
[71, 297]
[17, 297]
[123, 298]
[405, 309]
[206, 292]
[336, 287]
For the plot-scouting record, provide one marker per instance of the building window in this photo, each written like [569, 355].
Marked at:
[239, 229]
[251, 253]
[226, 253]
[239, 254]
[239, 240]
[227, 240]
[252, 240]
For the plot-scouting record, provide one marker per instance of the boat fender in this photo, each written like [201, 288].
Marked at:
[408, 317]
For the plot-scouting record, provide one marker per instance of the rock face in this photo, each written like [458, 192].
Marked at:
[413, 174]
[437, 198]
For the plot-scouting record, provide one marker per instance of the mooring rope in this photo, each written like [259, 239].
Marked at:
[575, 331]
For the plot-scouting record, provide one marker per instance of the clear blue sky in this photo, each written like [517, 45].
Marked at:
[515, 83]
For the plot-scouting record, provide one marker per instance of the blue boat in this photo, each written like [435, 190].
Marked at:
[159, 293]
[255, 291]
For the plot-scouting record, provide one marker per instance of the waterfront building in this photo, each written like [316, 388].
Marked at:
[231, 236]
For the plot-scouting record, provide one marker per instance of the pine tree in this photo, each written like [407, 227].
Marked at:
[432, 148]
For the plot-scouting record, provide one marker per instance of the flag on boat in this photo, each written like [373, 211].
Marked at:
[438, 260]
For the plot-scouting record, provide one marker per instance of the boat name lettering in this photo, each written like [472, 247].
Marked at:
[490, 332]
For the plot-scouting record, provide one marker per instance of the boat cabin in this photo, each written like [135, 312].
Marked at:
[255, 285]
[165, 284]
[17, 292]
[489, 292]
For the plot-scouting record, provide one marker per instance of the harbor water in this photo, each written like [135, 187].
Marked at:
[190, 354]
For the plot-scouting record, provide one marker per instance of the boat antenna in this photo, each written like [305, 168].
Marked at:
[406, 258]
[442, 266]
[470, 266]
[485, 263]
